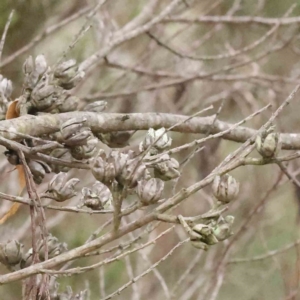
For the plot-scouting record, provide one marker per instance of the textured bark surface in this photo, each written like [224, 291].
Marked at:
[107, 122]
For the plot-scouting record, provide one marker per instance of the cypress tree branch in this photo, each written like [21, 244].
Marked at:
[108, 122]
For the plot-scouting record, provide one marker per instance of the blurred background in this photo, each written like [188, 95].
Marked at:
[238, 68]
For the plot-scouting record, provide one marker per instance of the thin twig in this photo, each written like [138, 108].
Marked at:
[5, 33]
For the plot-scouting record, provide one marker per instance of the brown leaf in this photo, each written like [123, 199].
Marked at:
[12, 111]
[10, 213]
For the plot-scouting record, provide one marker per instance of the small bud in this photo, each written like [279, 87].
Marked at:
[40, 64]
[206, 234]
[167, 170]
[43, 92]
[12, 157]
[70, 84]
[68, 75]
[11, 253]
[62, 68]
[63, 154]
[97, 106]
[54, 247]
[223, 230]
[6, 87]
[158, 139]
[43, 96]
[117, 139]
[28, 65]
[267, 143]
[74, 133]
[150, 191]
[38, 170]
[69, 104]
[103, 170]
[31, 78]
[133, 172]
[200, 245]
[70, 127]
[3, 109]
[120, 159]
[60, 190]
[85, 151]
[98, 197]
[202, 229]
[229, 219]
[225, 188]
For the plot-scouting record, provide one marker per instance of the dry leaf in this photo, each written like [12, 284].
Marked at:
[12, 113]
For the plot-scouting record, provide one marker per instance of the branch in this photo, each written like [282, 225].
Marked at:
[46, 32]
[113, 235]
[107, 122]
[77, 252]
[118, 40]
[236, 20]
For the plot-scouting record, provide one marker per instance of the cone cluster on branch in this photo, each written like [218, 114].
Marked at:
[5, 93]
[13, 256]
[46, 89]
[116, 173]
[213, 230]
